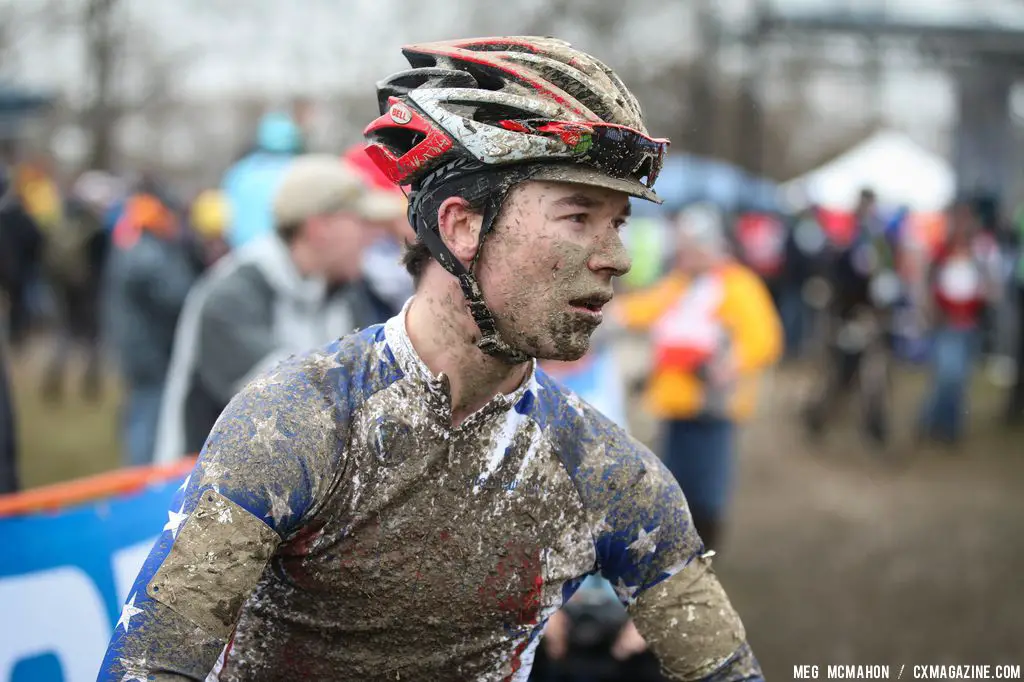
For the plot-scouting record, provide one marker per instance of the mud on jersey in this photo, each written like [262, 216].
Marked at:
[336, 527]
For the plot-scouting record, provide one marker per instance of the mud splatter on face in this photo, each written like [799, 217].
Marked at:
[543, 266]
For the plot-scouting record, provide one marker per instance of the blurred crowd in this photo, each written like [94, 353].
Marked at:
[186, 299]
[863, 291]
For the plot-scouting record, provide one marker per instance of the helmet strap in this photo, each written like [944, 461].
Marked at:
[490, 341]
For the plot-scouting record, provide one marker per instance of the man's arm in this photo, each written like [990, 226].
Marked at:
[236, 333]
[650, 552]
[263, 470]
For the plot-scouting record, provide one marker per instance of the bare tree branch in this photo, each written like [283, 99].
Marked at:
[20, 23]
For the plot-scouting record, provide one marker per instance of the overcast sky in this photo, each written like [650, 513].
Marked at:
[282, 47]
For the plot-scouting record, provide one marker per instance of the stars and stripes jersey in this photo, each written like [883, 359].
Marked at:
[337, 527]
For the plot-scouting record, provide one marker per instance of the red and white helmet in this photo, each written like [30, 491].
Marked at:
[512, 109]
[513, 100]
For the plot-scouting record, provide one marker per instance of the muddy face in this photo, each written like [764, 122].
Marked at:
[546, 270]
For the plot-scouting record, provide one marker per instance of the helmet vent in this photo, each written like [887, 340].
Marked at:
[398, 140]
[485, 80]
[492, 114]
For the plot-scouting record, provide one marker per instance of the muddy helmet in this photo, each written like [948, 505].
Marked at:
[476, 116]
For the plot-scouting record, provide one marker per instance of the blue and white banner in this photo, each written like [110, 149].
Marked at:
[64, 576]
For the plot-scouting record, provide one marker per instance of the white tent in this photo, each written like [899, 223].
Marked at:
[900, 171]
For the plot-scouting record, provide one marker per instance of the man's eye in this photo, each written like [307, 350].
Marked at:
[620, 223]
[578, 218]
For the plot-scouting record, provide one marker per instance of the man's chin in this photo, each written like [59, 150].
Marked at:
[568, 350]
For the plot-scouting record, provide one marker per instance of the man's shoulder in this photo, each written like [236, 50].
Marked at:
[344, 372]
[629, 492]
[591, 445]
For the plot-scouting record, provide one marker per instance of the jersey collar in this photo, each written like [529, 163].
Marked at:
[397, 337]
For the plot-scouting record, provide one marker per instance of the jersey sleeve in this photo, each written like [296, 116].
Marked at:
[648, 549]
[265, 467]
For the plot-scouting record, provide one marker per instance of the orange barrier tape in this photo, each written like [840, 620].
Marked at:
[121, 482]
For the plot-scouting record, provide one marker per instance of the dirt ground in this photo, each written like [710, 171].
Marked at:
[836, 556]
[833, 556]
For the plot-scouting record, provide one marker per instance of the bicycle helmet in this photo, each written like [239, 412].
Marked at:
[474, 117]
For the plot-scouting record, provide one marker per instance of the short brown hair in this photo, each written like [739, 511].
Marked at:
[415, 258]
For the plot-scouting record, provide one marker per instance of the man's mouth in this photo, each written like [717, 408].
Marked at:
[593, 303]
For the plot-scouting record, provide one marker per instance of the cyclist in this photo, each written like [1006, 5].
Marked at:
[415, 500]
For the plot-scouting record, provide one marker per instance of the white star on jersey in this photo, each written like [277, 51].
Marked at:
[134, 671]
[265, 381]
[646, 543]
[279, 508]
[212, 473]
[267, 433]
[623, 591]
[127, 612]
[174, 521]
[598, 459]
[380, 346]
[322, 363]
[323, 420]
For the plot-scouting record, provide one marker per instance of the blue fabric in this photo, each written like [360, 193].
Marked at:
[278, 133]
[142, 413]
[147, 285]
[250, 186]
[113, 215]
[8, 442]
[700, 454]
[952, 357]
[793, 312]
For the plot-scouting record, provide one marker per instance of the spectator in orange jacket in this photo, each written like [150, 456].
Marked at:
[714, 331]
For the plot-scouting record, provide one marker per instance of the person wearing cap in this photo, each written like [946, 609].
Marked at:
[714, 330]
[286, 292]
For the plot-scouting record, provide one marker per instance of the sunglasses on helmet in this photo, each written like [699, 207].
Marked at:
[616, 150]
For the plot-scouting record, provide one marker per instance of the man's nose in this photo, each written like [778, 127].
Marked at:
[611, 257]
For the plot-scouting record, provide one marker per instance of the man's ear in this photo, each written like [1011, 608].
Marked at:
[459, 226]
